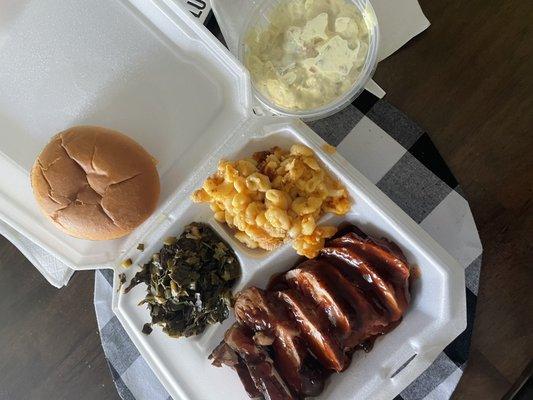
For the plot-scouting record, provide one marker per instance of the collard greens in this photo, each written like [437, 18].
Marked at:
[189, 282]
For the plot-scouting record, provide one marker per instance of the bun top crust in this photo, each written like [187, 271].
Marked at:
[95, 183]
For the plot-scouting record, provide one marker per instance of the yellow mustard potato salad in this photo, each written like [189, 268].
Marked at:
[275, 196]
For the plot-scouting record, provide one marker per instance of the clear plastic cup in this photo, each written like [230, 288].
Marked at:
[258, 16]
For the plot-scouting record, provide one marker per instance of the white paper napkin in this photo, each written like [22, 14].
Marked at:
[55, 272]
[399, 21]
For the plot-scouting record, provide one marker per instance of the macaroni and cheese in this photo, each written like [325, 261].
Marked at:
[275, 196]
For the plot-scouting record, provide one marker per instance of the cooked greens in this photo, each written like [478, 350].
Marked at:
[147, 328]
[189, 282]
[121, 280]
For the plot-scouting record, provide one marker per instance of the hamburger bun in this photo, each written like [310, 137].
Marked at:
[94, 183]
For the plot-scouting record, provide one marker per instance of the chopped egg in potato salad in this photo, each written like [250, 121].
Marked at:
[310, 52]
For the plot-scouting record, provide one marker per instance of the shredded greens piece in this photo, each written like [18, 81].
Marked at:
[147, 328]
[189, 282]
[121, 280]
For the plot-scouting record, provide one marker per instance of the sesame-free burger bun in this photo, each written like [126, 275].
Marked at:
[95, 183]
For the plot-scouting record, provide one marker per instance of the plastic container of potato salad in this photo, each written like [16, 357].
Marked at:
[146, 68]
[238, 19]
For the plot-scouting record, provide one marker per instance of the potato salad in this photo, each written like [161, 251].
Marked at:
[310, 53]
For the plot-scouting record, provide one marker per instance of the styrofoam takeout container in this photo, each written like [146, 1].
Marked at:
[146, 68]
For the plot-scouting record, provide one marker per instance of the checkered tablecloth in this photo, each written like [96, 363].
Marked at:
[399, 157]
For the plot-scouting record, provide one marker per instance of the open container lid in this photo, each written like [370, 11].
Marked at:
[142, 67]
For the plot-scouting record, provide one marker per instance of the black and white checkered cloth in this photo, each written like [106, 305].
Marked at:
[399, 157]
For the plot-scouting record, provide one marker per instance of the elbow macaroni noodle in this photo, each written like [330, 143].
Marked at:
[275, 196]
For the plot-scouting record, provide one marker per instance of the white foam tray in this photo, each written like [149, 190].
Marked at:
[146, 68]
